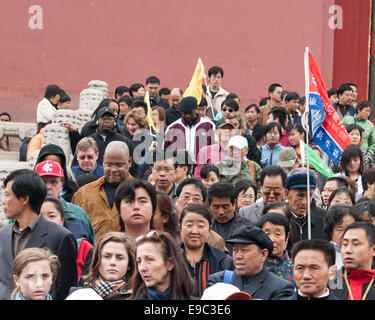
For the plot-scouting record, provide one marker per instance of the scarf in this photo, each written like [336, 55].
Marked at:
[154, 294]
[272, 145]
[107, 289]
[358, 278]
[20, 296]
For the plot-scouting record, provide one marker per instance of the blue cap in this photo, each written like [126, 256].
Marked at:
[299, 181]
[105, 110]
[251, 235]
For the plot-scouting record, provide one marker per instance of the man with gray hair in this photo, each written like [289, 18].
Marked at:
[97, 198]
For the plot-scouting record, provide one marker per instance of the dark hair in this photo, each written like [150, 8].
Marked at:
[221, 190]
[273, 171]
[364, 206]
[350, 127]
[51, 91]
[230, 103]
[121, 90]
[181, 281]
[183, 158]
[335, 216]
[27, 183]
[344, 87]
[259, 131]
[152, 79]
[135, 87]
[277, 204]
[351, 151]
[339, 190]
[104, 104]
[272, 125]
[243, 185]
[232, 96]
[164, 204]
[203, 102]
[292, 96]
[281, 114]
[302, 100]
[363, 104]
[299, 128]
[368, 177]
[85, 178]
[263, 101]
[341, 181]
[273, 86]
[6, 114]
[165, 91]
[331, 92]
[207, 169]
[126, 190]
[139, 103]
[368, 227]
[283, 94]
[198, 209]
[127, 100]
[321, 245]
[147, 173]
[215, 70]
[57, 203]
[276, 219]
[196, 183]
[253, 105]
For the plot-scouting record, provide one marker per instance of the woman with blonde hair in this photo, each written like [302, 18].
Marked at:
[111, 271]
[34, 272]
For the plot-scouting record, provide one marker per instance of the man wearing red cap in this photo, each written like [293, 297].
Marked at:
[76, 219]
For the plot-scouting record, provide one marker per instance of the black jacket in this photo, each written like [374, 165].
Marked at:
[296, 296]
[299, 228]
[213, 260]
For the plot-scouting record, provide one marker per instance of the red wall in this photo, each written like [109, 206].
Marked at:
[122, 42]
[352, 44]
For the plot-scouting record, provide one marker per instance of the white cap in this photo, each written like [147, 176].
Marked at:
[84, 294]
[239, 142]
[224, 291]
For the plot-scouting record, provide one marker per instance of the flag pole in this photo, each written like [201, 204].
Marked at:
[209, 101]
[305, 123]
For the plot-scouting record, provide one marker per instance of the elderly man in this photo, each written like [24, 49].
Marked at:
[296, 194]
[97, 198]
[251, 247]
[173, 112]
[272, 182]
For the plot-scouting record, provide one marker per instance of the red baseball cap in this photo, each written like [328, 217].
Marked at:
[49, 168]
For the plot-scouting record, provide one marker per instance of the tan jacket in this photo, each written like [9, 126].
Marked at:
[216, 101]
[93, 199]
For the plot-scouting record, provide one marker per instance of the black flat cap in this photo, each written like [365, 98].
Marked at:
[251, 235]
[187, 104]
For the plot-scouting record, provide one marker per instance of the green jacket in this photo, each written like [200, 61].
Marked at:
[233, 172]
[368, 144]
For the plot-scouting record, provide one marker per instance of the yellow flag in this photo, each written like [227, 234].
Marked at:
[195, 86]
[149, 111]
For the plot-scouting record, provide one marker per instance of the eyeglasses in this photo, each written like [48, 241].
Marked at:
[227, 109]
[150, 234]
[90, 157]
[276, 192]
[187, 197]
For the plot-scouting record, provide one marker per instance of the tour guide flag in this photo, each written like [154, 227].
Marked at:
[327, 129]
[195, 86]
[314, 160]
[149, 112]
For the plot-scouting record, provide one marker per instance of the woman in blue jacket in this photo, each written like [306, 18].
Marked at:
[270, 151]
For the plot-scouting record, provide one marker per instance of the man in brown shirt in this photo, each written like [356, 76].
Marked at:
[274, 92]
[97, 198]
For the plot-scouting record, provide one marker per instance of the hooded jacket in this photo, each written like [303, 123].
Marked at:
[70, 186]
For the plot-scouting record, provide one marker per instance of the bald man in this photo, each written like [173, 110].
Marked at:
[172, 113]
[97, 198]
